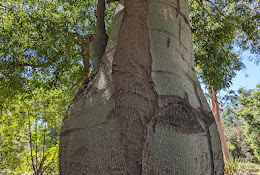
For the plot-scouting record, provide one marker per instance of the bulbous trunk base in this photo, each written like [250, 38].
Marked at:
[144, 112]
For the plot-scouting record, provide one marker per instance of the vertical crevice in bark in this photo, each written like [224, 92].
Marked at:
[134, 92]
[207, 120]
[178, 8]
[211, 159]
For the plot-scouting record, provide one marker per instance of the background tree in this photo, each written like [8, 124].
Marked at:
[249, 112]
[30, 131]
[240, 116]
[43, 52]
[215, 37]
[45, 40]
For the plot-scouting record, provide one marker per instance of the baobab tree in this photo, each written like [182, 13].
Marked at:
[143, 112]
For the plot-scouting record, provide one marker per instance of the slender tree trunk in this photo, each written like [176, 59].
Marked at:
[30, 142]
[144, 111]
[98, 44]
[215, 109]
[85, 56]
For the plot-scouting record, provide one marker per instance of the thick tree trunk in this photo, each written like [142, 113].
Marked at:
[144, 112]
[215, 109]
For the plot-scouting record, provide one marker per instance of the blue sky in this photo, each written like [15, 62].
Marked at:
[250, 81]
[247, 78]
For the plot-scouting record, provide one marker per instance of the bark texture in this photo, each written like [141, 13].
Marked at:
[98, 41]
[144, 112]
[85, 55]
[215, 109]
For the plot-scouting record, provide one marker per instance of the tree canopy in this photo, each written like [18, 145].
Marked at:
[221, 29]
[44, 40]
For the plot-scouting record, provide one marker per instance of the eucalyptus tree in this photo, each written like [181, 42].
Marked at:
[218, 27]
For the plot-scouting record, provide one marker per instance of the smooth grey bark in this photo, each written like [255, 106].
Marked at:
[144, 111]
[98, 41]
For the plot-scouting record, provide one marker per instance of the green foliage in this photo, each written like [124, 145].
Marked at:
[29, 131]
[41, 59]
[40, 64]
[251, 168]
[237, 144]
[42, 40]
[249, 111]
[232, 166]
[236, 166]
[242, 120]
[218, 29]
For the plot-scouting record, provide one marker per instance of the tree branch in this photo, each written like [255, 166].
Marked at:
[200, 2]
[21, 64]
[98, 45]
[30, 141]
[76, 84]
[53, 159]
[36, 150]
[100, 22]
[41, 165]
[109, 1]
[85, 56]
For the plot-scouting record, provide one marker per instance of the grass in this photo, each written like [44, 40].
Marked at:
[233, 166]
[252, 168]
[238, 167]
